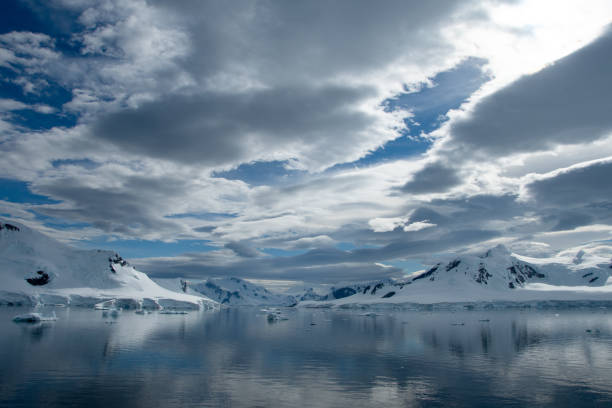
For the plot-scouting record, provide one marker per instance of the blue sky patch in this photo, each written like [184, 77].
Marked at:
[17, 191]
[261, 173]
[42, 17]
[85, 163]
[429, 107]
[57, 223]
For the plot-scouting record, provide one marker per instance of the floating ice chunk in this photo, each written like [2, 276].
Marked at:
[34, 317]
[276, 316]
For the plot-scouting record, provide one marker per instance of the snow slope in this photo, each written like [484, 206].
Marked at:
[495, 276]
[35, 268]
[230, 291]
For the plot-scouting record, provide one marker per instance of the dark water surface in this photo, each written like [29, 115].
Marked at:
[235, 358]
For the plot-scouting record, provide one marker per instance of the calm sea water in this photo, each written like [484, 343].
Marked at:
[236, 358]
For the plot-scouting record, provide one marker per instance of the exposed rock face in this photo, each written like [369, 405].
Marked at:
[522, 272]
[483, 274]
[453, 264]
[116, 260]
[40, 280]
[428, 273]
[9, 227]
[343, 292]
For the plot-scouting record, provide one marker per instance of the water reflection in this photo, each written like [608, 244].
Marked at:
[235, 358]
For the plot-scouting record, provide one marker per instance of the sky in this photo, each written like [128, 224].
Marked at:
[308, 141]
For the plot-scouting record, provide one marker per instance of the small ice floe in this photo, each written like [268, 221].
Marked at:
[112, 312]
[275, 317]
[174, 312]
[34, 318]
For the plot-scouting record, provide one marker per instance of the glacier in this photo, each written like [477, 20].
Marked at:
[229, 291]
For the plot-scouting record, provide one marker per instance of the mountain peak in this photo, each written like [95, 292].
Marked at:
[499, 250]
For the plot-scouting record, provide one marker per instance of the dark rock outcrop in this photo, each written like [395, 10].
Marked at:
[40, 280]
[483, 274]
[453, 264]
[427, 274]
[9, 227]
[343, 292]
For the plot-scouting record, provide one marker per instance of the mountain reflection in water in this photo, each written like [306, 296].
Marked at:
[235, 357]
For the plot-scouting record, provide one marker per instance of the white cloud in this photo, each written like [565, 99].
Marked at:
[386, 224]
[417, 226]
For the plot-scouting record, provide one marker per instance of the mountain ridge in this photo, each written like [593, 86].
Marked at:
[37, 269]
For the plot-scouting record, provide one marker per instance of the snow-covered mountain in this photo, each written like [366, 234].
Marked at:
[339, 290]
[35, 268]
[230, 291]
[496, 275]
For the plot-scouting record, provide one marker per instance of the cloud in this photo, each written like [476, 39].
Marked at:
[287, 42]
[389, 224]
[324, 264]
[574, 197]
[417, 226]
[219, 129]
[319, 241]
[386, 224]
[433, 178]
[584, 185]
[565, 103]
[242, 249]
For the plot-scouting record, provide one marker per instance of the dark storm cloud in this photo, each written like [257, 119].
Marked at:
[568, 220]
[433, 178]
[287, 41]
[580, 186]
[128, 209]
[242, 249]
[566, 102]
[220, 128]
